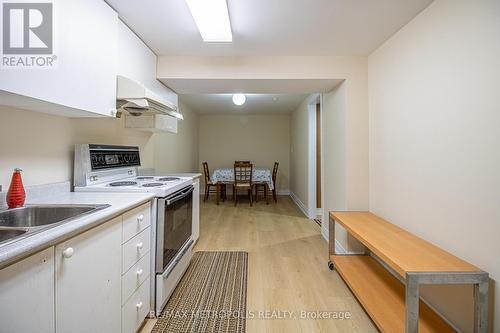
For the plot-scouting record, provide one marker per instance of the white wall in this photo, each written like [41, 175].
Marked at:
[435, 137]
[262, 139]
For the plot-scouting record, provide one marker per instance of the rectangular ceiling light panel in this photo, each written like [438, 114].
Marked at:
[212, 19]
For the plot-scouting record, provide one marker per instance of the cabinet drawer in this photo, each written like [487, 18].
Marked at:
[135, 276]
[136, 309]
[136, 220]
[135, 249]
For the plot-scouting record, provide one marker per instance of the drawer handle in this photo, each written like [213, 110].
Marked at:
[68, 253]
[139, 305]
[139, 245]
[140, 218]
[139, 272]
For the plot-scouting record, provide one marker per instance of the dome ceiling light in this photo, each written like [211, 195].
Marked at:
[239, 99]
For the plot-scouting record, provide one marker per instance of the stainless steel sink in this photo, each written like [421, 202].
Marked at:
[20, 222]
[10, 233]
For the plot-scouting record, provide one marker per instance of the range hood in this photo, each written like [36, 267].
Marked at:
[135, 99]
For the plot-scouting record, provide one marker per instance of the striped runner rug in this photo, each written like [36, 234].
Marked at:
[211, 296]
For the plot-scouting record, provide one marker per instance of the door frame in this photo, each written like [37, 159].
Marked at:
[313, 211]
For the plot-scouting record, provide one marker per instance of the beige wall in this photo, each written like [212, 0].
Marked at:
[353, 70]
[178, 152]
[434, 137]
[259, 67]
[262, 139]
[42, 145]
[38, 143]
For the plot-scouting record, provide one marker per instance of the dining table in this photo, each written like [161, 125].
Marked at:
[222, 176]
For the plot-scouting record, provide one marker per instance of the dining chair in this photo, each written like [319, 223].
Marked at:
[211, 187]
[242, 180]
[261, 187]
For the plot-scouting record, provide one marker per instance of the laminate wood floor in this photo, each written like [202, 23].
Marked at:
[288, 277]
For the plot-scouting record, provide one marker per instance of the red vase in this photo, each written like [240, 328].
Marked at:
[16, 195]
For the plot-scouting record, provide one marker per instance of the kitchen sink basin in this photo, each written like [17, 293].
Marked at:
[10, 233]
[35, 216]
[19, 222]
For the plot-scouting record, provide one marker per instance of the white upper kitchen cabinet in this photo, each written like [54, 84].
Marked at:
[27, 294]
[83, 81]
[88, 271]
[137, 62]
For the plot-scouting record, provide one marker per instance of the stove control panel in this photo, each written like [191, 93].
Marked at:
[107, 156]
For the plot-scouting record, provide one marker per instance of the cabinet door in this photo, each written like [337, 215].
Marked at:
[196, 210]
[88, 281]
[83, 79]
[27, 294]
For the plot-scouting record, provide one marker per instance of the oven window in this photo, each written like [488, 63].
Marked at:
[178, 225]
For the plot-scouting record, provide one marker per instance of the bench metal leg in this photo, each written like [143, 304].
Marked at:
[331, 243]
[480, 280]
[481, 307]
[331, 237]
[412, 302]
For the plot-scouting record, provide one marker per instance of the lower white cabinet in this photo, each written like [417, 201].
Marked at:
[88, 280]
[97, 281]
[27, 294]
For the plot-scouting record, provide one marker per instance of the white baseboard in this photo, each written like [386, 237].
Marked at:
[310, 213]
[299, 204]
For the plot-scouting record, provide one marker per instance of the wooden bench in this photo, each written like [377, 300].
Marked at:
[386, 278]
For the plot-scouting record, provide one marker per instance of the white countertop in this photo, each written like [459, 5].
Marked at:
[120, 203]
[153, 172]
[185, 174]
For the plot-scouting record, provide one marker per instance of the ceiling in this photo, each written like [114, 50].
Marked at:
[273, 27]
[255, 103]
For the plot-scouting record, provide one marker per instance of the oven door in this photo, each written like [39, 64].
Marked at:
[175, 221]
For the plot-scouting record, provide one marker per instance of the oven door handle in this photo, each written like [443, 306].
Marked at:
[179, 196]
